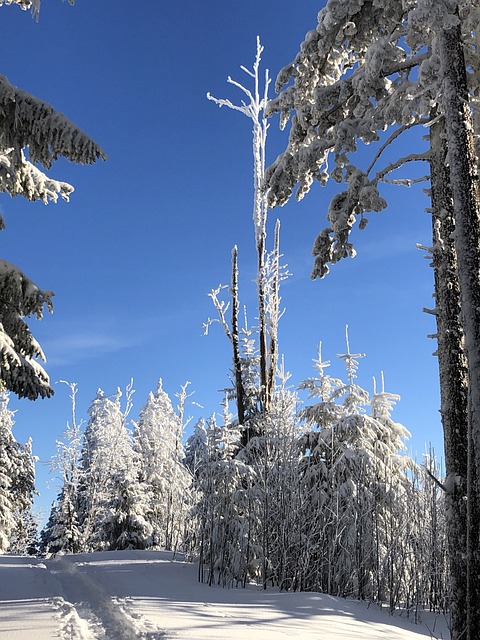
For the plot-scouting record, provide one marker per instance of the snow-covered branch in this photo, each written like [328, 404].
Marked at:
[222, 308]
[413, 157]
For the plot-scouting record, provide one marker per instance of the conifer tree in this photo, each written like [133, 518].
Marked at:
[7, 449]
[24, 538]
[196, 447]
[27, 123]
[62, 531]
[353, 79]
[163, 477]
[224, 545]
[356, 484]
[105, 460]
[17, 478]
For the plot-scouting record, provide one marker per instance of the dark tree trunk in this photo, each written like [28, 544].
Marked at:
[453, 378]
[463, 173]
[237, 362]
[262, 324]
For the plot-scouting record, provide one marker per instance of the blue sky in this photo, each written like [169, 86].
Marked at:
[149, 233]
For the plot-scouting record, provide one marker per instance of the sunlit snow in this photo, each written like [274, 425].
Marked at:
[126, 595]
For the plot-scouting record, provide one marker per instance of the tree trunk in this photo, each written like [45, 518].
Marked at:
[453, 377]
[274, 304]
[262, 324]
[237, 362]
[463, 174]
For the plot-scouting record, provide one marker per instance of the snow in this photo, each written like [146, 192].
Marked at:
[150, 595]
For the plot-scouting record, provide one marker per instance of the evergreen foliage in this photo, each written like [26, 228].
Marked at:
[163, 477]
[17, 484]
[32, 132]
[367, 73]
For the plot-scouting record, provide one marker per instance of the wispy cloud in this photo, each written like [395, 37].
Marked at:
[78, 346]
[69, 342]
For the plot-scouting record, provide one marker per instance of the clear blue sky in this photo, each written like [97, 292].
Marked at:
[148, 233]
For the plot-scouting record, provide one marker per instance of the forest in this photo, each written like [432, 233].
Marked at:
[307, 487]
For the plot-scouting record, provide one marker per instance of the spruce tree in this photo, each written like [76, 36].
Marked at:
[163, 477]
[375, 67]
[105, 456]
[17, 479]
[32, 133]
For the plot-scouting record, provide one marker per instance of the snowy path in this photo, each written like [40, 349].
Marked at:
[26, 603]
[139, 595]
[54, 598]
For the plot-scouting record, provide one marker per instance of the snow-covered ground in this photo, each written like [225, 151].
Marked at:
[151, 595]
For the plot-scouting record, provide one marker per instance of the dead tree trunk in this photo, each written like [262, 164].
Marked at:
[274, 304]
[262, 323]
[235, 339]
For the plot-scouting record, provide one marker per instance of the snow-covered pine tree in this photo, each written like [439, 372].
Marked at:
[273, 492]
[224, 546]
[108, 478]
[163, 476]
[8, 464]
[201, 467]
[366, 68]
[17, 481]
[126, 525]
[196, 447]
[31, 133]
[356, 486]
[96, 460]
[24, 539]
[62, 530]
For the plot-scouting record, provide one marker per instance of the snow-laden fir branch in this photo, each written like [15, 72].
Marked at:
[352, 78]
[27, 122]
[31, 132]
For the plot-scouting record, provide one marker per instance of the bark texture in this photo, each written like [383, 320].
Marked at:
[463, 174]
[464, 603]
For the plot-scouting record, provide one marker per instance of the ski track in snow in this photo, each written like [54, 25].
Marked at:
[87, 612]
[155, 595]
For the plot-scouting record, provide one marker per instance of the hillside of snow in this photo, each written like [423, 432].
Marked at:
[127, 595]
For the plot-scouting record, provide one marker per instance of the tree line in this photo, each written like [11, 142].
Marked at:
[323, 497]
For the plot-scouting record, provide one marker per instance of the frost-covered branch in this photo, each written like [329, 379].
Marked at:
[398, 132]
[20, 298]
[25, 179]
[222, 308]
[352, 79]
[34, 5]
[413, 157]
[254, 110]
